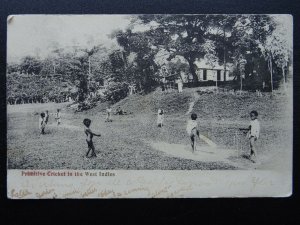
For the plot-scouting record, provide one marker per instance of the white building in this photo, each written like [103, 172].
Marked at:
[206, 72]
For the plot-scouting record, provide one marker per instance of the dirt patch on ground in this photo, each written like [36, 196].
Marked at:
[131, 141]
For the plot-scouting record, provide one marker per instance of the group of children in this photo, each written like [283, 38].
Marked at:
[252, 131]
[44, 119]
[118, 111]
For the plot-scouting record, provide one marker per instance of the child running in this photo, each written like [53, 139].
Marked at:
[192, 130]
[160, 117]
[58, 117]
[42, 123]
[89, 137]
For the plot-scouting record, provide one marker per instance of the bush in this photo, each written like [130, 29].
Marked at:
[116, 91]
[82, 106]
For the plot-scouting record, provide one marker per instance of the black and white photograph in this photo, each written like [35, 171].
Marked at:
[150, 92]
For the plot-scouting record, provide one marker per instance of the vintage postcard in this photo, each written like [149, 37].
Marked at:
[149, 106]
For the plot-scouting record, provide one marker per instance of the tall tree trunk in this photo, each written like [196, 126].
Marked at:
[224, 54]
[284, 78]
[271, 70]
[241, 77]
[89, 74]
[193, 71]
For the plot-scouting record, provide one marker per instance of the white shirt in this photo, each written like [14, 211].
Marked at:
[41, 122]
[58, 115]
[191, 124]
[255, 128]
[160, 117]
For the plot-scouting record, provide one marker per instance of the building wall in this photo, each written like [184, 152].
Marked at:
[212, 75]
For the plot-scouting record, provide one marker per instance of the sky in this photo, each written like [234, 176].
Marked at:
[29, 34]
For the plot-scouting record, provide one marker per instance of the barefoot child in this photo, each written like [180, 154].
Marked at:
[253, 134]
[108, 114]
[89, 137]
[192, 130]
[160, 117]
[42, 123]
[46, 116]
[58, 117]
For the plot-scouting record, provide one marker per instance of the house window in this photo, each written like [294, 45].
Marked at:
[219, 75]
[204, 74]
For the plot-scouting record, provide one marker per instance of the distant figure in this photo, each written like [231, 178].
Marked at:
[180, 86]
[263, 85]
[119, 111]
[58, 117]
[162, 86]
[89, 137]
[258, 93]
[42, 123]
[160, 117]
[131, 89]
[253, 134]
[46, 116]
[108, 114]
[192, 130]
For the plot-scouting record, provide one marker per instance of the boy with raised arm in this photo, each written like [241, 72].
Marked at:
[89, 137]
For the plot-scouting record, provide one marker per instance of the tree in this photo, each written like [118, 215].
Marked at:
[30, 65]
[278, 46]
[238, 39]
[183, 35]
[136, 62]
[13, 68]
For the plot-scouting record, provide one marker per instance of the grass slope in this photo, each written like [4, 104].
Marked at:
[125, 143]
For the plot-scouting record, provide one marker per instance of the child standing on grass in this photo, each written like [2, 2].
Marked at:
[42, 123]
[108, 114]
[46, 116]
[253, 134]
[89, 137]
[160, 117]
[192, 130]
[58, 117]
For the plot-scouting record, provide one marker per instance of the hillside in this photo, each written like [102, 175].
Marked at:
[208, 104]
[135, 141]
[220, 115]
[172, 103]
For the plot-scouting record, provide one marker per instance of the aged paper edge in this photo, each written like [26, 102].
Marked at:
[77, 184]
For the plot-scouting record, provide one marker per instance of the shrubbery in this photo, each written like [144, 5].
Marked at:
[116, 91]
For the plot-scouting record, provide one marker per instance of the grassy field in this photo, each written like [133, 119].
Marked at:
[130, 141]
